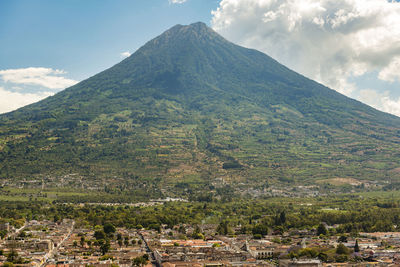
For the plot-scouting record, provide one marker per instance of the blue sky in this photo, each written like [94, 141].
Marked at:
[353, 46]
[85, 37]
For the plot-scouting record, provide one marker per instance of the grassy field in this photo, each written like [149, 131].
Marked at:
[28, 194]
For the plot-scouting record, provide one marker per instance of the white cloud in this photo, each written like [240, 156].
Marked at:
[391, 72]
[45, 77]
[177, 1]
[125, 54]
[10, 101]
[327, 40]
[380, 101]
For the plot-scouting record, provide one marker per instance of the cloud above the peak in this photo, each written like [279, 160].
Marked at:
[125, 54]
[330, 41]
[44, 77]
[10, 101]
[177, 1]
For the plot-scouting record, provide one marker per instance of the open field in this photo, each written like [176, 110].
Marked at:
[29, 194]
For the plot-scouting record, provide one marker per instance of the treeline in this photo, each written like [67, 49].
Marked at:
[257, 217]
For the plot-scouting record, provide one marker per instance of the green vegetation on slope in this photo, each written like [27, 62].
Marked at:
[189, 107]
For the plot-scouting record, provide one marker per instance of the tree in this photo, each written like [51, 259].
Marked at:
[342, 250]
[99, 234]
[356, 247]
[257, 236]
[261, 229]
[104, 248]
[3, 233]
[323, 256]
[342, 239]
[126, 242]
[197, 233]
[75, 244]
[308, 252]
[22, 234]
[222, 228]
[282, 217]
[278, 230]
[82, 242]
[108, 228]
[321, 230]
[56, 218]
[276, 240]
[342, 258]
[13, 256]
[141, 261]
[182, 229]
[197, 230]
[120, 243]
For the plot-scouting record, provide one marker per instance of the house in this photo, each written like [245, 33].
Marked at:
[300, 263]
[260, 250]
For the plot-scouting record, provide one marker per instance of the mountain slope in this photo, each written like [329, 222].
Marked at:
[190, 107]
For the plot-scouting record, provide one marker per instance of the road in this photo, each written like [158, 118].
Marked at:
[50, 255]
[3, 241]
[150, 252]
[17, 231]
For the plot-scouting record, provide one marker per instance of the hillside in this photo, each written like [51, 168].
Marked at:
[189, 108]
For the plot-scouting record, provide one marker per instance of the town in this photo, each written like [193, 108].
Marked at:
[64, 243]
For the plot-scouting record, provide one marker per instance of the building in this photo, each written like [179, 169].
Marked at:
[260, 249]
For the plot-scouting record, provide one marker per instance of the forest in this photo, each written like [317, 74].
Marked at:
[351, 214]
